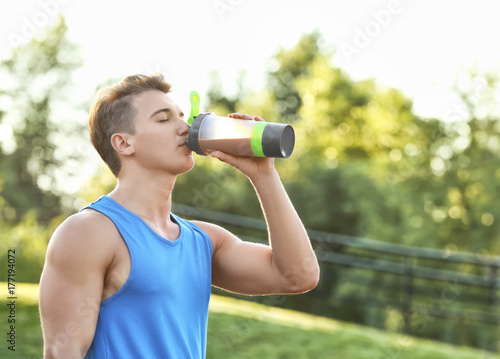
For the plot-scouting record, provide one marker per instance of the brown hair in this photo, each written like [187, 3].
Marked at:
[112, 111]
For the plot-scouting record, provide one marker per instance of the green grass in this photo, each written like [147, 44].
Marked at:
[240, 329]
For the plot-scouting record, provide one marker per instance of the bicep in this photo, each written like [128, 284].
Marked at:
[69, 313]
[243, 267]
[70, 294]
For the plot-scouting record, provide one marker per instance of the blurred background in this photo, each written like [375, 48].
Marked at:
[395, 106]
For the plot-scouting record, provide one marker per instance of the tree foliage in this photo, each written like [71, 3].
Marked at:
[36, 78]
[365, 164]
[32, 94]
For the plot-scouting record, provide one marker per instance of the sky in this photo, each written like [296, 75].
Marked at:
[417, 46]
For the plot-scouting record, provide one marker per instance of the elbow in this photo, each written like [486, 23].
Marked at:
[312, 275]
[58, 351]
[305, 282]
[312, 280]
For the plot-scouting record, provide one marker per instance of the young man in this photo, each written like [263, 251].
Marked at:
[126, 278]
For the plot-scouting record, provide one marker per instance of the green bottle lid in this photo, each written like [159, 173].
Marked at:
[195, 106]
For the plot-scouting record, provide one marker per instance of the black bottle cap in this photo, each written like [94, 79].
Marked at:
[193, 135]
[278, 140]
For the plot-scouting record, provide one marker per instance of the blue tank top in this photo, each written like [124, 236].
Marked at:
[162, 309]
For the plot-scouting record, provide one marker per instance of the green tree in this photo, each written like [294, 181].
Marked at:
[33, 121]
[364, 164]
[292, 64]
[221, 103]
[37, 76]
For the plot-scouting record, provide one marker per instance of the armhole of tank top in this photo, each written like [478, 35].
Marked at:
[130, 278]
[197, 228]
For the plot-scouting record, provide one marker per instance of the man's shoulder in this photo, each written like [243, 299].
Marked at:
[207, 227]
[83, 232]
[80, 252]
[87, 221]
[217, 234]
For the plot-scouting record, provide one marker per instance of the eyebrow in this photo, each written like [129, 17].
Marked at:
[167, 110]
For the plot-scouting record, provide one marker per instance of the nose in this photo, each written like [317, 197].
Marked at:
[183, 128]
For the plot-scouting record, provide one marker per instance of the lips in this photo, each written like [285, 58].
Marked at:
[184, 146]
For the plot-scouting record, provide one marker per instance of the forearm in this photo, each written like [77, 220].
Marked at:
[292, 252]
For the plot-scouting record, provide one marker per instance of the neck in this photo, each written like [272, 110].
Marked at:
[148, 196]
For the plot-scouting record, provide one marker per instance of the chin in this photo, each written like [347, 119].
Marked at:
[189, 166]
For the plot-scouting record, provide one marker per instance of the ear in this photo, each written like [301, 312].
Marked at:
[123, 143]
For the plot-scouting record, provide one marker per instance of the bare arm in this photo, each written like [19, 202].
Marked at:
[71, 285]
[288, 264]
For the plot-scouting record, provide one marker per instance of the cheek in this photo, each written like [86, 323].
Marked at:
[153, 140]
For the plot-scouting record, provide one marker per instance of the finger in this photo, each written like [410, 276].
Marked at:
[224, 157]
[241, 116]
[257, 118]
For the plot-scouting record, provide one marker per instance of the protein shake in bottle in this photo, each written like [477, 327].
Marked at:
[237, 137]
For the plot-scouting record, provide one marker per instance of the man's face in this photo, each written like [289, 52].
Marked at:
[160, 134]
